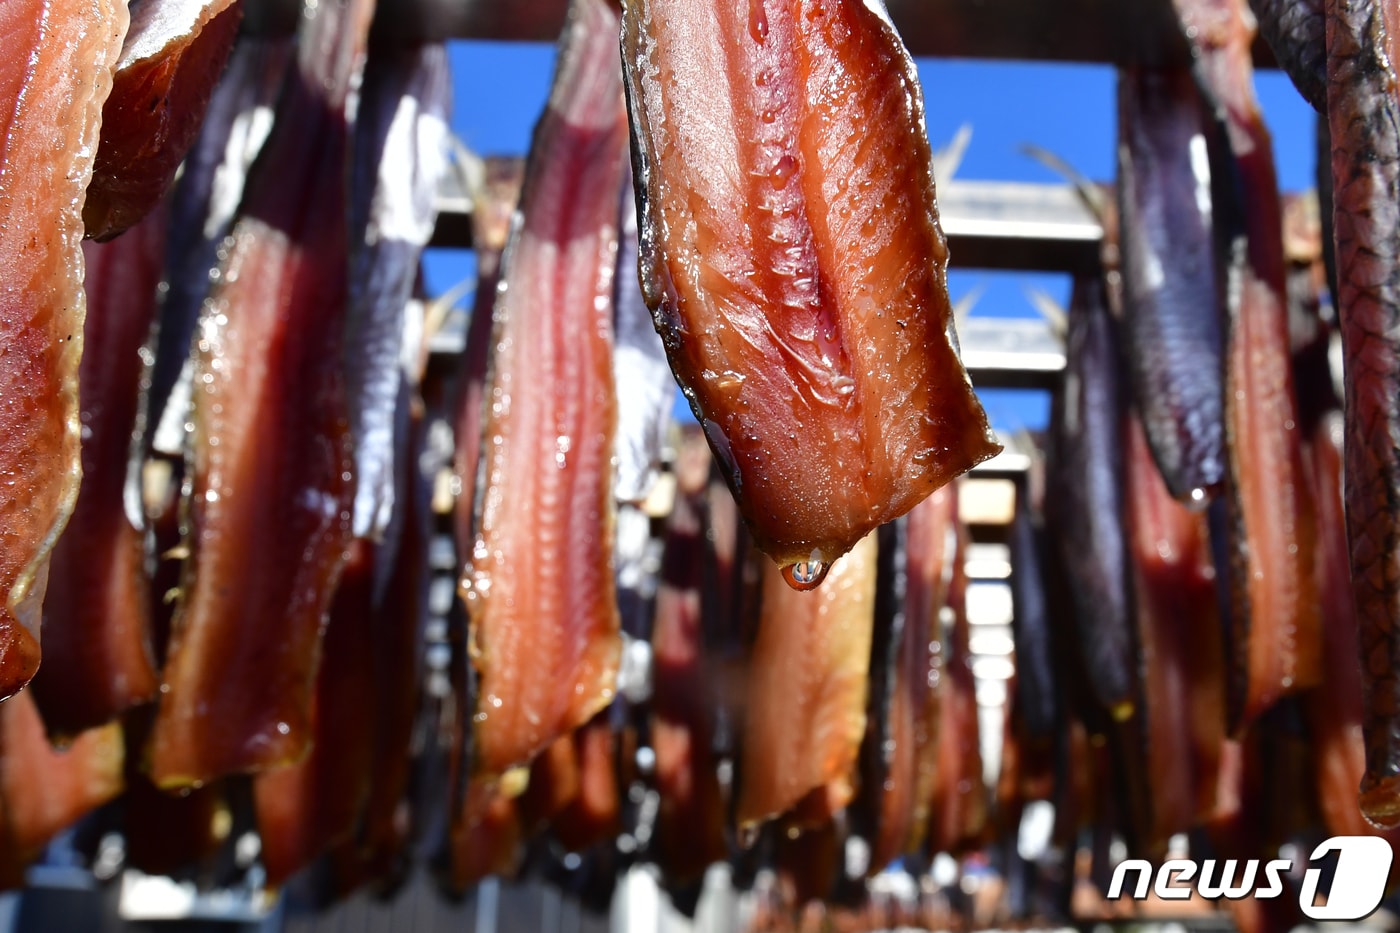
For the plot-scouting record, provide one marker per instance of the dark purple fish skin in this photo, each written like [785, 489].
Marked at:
[1084, 497]
[397, 165]
[1296, 32]
[1364, 115]
[1037, 693]
[203, 204]
[1171, 330]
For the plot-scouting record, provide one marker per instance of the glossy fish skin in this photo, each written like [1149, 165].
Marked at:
[1038, 701]
[1084, 497]
[167, 71]
[400, 157]
[43, 791]
[97, 614]
[1275, 640]
[203, 202]
[397, 635]
[1171, 321]
[53, 82]
[1296, 31]
[1363, 40]
[540, 589]
[807, 690]
[794, 263]
[690, 819]
[272, 463]
[1183, 667]
[646, 389]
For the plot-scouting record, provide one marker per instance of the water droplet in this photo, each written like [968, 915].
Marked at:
[768, 116]
[783, 170]
[758, 21]
[805, 574]
[844, 385]
[283, 728]
[729, 380]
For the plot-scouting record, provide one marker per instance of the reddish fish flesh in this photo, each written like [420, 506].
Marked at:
[1275, 630]
[97, 614]
[44, 790]
[540, 587]
[806, 690]
[305, 808]
[172, 58]
[1363, 103]
[794, 265]
[273, 481]
[54, 78]
[1179, 639]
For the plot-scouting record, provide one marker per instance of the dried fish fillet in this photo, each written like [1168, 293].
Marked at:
[540, 587]
[272, 464]
[98, 658]
[794, 265]
[54, 77]
[170, 62]
[807, 690]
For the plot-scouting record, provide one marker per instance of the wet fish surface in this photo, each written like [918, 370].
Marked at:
[794, 263]
[170, 62]
[98, 658]
[540, 588]
[54, 80]
[272, 464]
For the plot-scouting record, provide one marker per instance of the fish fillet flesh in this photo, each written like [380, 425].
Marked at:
[807, 690]
[44, 790]
[307, 807]
[97, 615]
[272, 463]
[540, 588]
[54, 79]
[171, 60]
[1181, 645]
[794, 264]
[1275, 631]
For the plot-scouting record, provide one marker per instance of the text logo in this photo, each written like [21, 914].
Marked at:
[1363, 864]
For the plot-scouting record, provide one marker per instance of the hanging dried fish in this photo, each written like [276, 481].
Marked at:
[272, 464]
[540, 586]
[170, 62]
[793, 262]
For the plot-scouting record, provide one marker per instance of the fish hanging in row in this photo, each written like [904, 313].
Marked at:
[273, 480]
[794, 264]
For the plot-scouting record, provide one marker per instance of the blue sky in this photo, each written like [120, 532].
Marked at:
[500, 89]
